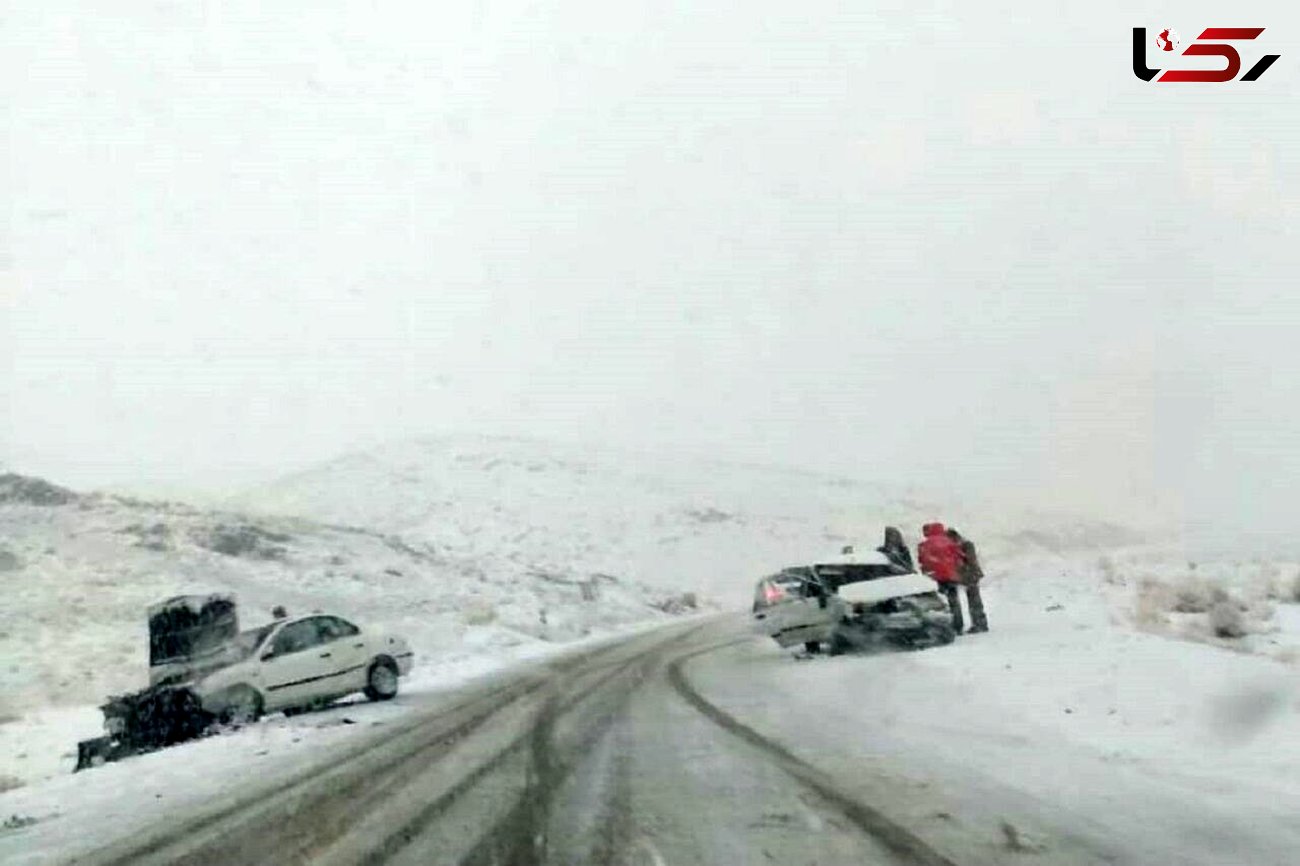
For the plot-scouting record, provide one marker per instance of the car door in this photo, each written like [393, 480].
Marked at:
[771, 596]
[349, 650]
[805, 615]
[298, 666]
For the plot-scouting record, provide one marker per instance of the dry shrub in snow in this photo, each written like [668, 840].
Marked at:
[1197, 595]
[1286, 589]
[1154, 600]
[678, 604]
[1226, 620]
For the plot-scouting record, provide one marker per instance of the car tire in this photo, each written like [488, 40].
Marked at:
[381, 680]
[243, 706]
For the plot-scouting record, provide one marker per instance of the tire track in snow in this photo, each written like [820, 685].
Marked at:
[869, 820]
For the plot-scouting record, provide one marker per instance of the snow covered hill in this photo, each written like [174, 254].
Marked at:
[706, 524]
[78, 571]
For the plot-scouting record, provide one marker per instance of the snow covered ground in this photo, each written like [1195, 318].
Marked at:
[1092, 739]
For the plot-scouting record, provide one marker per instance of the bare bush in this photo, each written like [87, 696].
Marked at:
[677, 604]
[243, 540]
[1154, 600]
[1226, 620]
[1197, 595]
[1109, 571]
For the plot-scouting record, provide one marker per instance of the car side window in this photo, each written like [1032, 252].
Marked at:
[296, 637]
[333, 628]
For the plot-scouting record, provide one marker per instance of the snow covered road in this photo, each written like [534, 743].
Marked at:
[594, 757]
[701, 744]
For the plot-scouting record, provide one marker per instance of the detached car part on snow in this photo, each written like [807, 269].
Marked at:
[204, 671]
[852, 601]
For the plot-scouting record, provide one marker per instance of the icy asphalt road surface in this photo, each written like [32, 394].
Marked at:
[610, 756]
[694, 744]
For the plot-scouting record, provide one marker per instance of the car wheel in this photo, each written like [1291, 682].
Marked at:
[381, 681]
[243, 706]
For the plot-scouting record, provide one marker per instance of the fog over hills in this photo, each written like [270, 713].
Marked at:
[713, 525]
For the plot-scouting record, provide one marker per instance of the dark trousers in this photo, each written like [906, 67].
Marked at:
[973, 600]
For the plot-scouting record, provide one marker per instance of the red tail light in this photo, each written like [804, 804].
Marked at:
[772, 594]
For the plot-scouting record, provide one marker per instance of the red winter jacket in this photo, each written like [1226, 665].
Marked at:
[939, 555]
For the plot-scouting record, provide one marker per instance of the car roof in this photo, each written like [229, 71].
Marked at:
[316, 614]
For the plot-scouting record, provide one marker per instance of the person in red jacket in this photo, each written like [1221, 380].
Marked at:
[940, 559]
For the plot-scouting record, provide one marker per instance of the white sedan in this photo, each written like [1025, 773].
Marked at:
[295, 664]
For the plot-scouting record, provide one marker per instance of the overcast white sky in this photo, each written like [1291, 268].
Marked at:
[955, 243]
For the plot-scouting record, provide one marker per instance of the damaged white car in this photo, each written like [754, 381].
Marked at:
[851, 601]
[203, 671]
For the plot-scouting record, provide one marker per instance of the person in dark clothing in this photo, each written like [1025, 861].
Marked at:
[940, 557]
[969, 574]
[895, 550]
